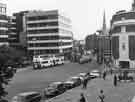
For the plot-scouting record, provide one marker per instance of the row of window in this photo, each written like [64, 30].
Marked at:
[3, 32]
[115, 47]
[55, 51]
[3, 17]
[43, 24]
[42, 31]
[3, 10]
[49, 31]
[50, 38]
[3, 24]
[33, 18]
[64, 25]
[49, 44]
[64, 18]
[128, 15]
[129, 28]
[3, 39]
[63, 31]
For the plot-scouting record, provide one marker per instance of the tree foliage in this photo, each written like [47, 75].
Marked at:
[8, 56]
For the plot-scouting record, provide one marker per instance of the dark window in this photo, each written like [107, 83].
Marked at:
[45, 17]
[43, 44]
[130, 28]
[43, 24]
[132, 47]
[115, 47]
[45, 38]
[3, 39]
[116, 29]
[42, 31]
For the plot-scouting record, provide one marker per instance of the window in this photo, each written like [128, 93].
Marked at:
[116, 29]
[130, 28]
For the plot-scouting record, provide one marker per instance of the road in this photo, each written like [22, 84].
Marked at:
[37, 80]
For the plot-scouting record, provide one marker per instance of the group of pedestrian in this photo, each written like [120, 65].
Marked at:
[101, 97]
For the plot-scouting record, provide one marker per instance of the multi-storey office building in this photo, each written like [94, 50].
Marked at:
[123, 38]
[12, 36]
[17, 30]
[48, 32]
[3, 25]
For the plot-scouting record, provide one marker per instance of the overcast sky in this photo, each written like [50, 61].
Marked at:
[86, 15]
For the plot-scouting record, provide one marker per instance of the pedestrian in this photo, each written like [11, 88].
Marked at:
[101, 96]
[115, 80]
[85, 82]
[82, 98]
[104, 75]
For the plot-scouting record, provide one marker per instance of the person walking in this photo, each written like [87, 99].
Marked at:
[104, 75]
[101, 96]
[85, 83]
[115, 80]
[82, 98]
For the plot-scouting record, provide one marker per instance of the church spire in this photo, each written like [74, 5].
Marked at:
[133, 5]
[104, 30]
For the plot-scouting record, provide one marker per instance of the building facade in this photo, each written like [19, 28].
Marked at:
[3, 25]
[123, 38]
[17, 30]
[48, 32]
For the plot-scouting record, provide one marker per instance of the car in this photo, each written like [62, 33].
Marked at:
[69, 84]
[95, 73]
[76, 81]
[54, 89]
[27, 97]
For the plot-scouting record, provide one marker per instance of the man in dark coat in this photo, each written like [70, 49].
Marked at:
[115, 80]
[82, 98]
[104, 75]
[85, 82]
[101, 96]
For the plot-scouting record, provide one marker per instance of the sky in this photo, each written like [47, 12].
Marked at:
[86, 15]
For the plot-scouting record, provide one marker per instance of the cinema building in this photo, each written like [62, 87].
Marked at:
[123, 38]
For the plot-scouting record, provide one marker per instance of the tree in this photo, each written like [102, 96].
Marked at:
[7, 55]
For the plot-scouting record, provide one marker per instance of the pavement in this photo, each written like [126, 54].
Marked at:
[122, 93]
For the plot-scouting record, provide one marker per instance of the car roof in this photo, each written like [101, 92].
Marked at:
[56, 83]
[27, 93]
[95, 71]
[68, 81]
[82, 73]
[75, 77]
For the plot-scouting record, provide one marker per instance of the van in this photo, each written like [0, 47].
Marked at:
[27, 97]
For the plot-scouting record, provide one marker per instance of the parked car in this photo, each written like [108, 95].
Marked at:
[27, 97]
[76, 81]
[95, 73]
[54, 89]
[69, 84]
